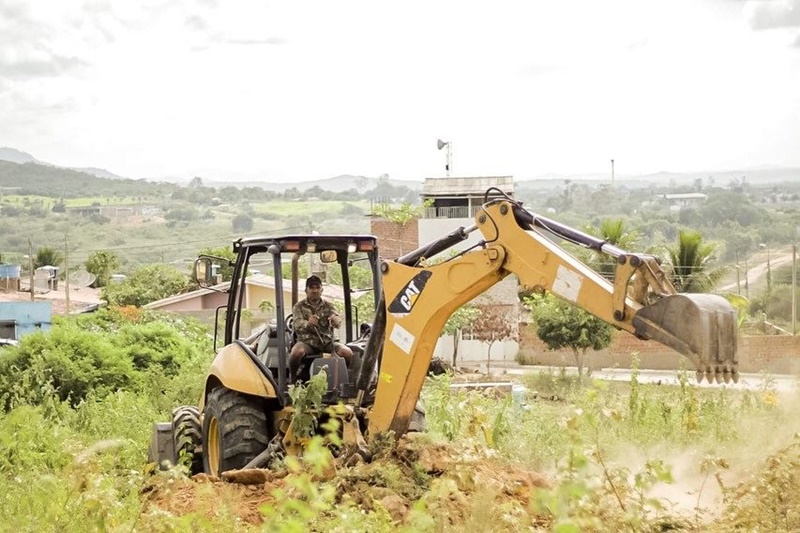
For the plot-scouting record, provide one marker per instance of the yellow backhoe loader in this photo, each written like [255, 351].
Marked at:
[243, 417]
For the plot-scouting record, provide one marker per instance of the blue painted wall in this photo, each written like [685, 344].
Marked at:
[29, 316]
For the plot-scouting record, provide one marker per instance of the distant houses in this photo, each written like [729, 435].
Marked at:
[678, 201]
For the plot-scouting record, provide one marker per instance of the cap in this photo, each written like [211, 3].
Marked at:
[313, 280]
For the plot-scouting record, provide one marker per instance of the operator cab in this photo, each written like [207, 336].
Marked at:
[348, 267]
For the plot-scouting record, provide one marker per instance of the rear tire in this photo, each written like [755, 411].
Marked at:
[234, 430]
[187, 436]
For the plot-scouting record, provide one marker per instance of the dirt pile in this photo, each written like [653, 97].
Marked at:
[448, 478]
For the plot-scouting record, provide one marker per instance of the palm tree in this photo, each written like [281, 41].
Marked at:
[612, 231]
[47, 256]
[690, 262]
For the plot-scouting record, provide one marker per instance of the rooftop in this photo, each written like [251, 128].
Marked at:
[464, 186]
[79, 298]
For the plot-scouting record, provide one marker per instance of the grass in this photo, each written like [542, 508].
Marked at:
[639, 456]
[157, 241]
[619, 457]
[285, 208]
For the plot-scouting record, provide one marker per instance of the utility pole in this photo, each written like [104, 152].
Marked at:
[30, 266]
[738, 284]
[746, 284]
[794, 289]
[612, 172]
[66, 272]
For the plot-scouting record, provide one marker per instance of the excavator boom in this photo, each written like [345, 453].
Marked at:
[418, 300]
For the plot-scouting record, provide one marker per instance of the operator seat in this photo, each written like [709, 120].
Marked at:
[267, 347]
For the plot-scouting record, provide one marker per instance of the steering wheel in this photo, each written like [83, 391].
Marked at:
[290, 327]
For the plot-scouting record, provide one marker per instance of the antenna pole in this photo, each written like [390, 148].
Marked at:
[449, 158]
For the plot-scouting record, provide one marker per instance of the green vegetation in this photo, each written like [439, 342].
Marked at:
[562, 325]
[102, 264]
[146, 284]
[144, 222]
[634, 457]
[402, 214]
[78, 403]
[458, 321]
[47, 256]
[690, 262]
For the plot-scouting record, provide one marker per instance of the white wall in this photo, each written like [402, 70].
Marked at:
[431, 229]
[475, 351]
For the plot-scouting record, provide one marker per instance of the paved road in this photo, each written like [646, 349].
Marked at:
[778, 382]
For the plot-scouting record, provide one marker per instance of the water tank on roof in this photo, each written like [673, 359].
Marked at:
[9, 271]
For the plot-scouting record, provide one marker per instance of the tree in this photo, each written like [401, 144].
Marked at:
[225, 269]
[47, 256]
[365, 308]
[102, 264]
[562, 325]
[690, 263]
[360, 276]
[403, 214]
[146, 284]
[729, 207]
[463, 317]
[242, 223]
[613, 231]
[493, 324]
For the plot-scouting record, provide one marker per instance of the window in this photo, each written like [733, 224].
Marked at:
[8, 329]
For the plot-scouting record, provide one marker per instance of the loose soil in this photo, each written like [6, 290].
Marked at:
[414, 469]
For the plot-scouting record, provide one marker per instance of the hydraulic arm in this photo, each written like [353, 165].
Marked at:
[419, 299]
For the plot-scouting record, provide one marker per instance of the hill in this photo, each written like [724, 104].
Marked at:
[721, 178]
[13, 155]
[346, 182]
[58, 182]
[342, 183]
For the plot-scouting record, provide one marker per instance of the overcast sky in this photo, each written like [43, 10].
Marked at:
[296, 90]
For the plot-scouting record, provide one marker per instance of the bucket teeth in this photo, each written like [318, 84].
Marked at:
[718, 374]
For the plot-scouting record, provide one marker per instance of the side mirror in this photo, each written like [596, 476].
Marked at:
[203, 272]
[328, 256]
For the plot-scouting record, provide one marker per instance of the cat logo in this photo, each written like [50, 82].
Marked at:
[403, 303]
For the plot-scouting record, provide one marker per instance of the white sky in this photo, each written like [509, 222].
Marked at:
[298, 90]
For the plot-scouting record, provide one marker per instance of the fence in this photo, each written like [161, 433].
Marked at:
[774, 354]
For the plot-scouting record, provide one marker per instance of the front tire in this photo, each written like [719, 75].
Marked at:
[187, 436]
[234, 430]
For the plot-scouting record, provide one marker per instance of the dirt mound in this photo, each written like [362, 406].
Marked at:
[446, 477]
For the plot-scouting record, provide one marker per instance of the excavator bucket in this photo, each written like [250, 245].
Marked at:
[702, 327]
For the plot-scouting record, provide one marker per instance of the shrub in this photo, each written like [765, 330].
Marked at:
[101, 353]
[146, 284]
[154, 346]
[67, 361]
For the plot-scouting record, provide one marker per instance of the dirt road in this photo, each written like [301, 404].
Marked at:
[777, 259]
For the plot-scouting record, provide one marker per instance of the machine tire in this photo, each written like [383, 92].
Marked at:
[418, 422]
[187, 436]
[234, 430]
